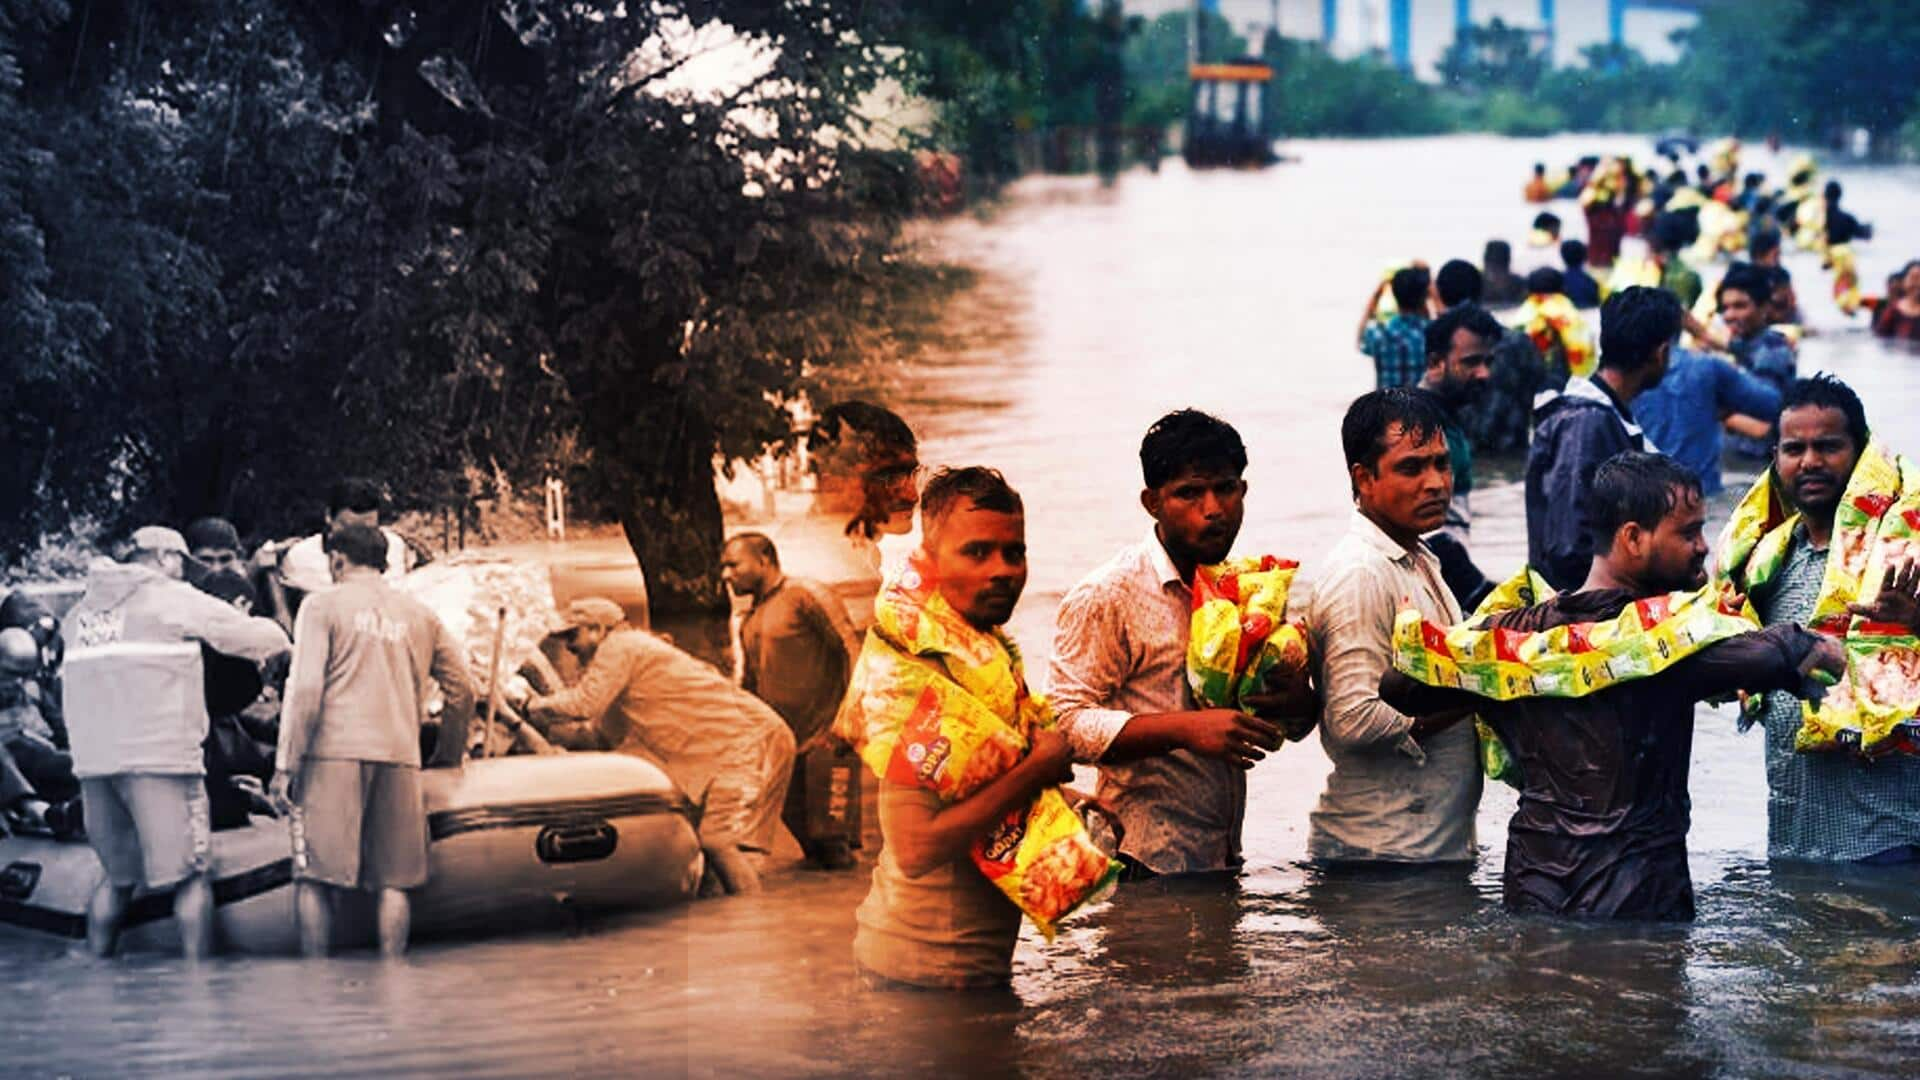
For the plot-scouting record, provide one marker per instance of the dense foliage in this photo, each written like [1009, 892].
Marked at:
[249, 246]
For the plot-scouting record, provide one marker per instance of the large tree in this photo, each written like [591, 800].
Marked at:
[247, 246]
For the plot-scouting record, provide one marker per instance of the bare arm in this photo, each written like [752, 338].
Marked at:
[1366, 318]
[924, 839]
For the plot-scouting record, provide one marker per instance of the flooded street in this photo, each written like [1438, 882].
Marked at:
[1097, 310]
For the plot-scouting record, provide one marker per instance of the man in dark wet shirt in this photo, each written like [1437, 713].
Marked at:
[1601, 828]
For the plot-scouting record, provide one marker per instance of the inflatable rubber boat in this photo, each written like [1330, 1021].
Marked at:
[515, 841]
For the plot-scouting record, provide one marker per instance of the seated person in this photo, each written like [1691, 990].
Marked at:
[243, 711]
[38, 791]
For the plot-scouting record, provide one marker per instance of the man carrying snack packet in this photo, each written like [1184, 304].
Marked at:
[1403, 788]
[1834, 488]
[1173, 771]
[1601, 828]
[974, 829]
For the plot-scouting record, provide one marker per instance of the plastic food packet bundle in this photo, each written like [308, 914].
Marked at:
[1239, 635]
[1871, 710]
[1045, 861]
[1523, 589]
[1571, 661]
[1550, 321]
[936, 704]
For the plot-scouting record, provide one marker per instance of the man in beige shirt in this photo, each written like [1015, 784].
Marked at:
[1174, 774]
[1403, 789]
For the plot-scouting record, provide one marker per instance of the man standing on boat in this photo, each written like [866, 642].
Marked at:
[136, 715]
[349, 754]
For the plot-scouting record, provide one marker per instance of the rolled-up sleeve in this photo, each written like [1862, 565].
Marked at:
[1088, 667]
[1354, 625]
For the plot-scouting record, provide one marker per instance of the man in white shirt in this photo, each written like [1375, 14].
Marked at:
[305, 567]
[1402, 789]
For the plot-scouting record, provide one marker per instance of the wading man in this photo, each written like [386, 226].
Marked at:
[1834, 806]
[349, 752]
[1601, 830]
[932, 919]
[1592, 421]
[1174, 775]
[1460, 346]
[137, 716]
[794, 658]
[1402, 789]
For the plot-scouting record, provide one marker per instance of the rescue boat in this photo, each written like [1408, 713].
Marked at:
[514, 842]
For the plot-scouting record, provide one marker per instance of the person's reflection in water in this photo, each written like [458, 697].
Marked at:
[1176, 931]
[1575, 998]
[938, 1032]
[1359, 901]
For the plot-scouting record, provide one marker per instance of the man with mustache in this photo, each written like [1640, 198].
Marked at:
[1829, 807]
[932, 919]
[1402, 789]
[1174, 775]
[1460, 346]
[1601, 828]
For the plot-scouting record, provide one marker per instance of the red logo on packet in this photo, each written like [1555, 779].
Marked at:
[1872, 505]
[1506, 643]
[922, 750]
[1653, 609]
[1434, 638]
[1579, 639]
[1912, 518]
[1000, 845]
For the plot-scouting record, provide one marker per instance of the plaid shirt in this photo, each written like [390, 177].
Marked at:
[1399, 349]
[1829, 807]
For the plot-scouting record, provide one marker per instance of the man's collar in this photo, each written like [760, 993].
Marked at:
[1163, 567]
[1613, 399]
[1376, 538]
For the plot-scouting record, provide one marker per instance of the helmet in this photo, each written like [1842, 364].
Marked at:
[19, 653]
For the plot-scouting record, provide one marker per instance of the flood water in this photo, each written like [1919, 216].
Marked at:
[1098, 309]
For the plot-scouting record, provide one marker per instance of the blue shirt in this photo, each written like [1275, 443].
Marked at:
[1399, 349]
[1580, 287]
[1770, 356]
[1682, 414]
[1831, 806]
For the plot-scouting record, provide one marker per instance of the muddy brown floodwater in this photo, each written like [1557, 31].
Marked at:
[1097, 310]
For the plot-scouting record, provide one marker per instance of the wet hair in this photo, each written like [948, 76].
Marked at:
[1470, 317]
[229, 585]
[212, 532]
[1539, 168]
[1702, 171]
[1752, 180]
[1634, 323]
[1410, 290]
[983, 488]
[1573, 253]
[1747, 278]
[1189, 439]
[1547, 221]
[1546, 279]
[1363, 433]
[1823, 391]
[363, 545]
[882, 425]
[354, 494]
[1833, 191]
[1675, 230]
[1636, 487]
[1498, 253]
[1763, 242]
[1458, 282]
[1779, 276]
[759, 543]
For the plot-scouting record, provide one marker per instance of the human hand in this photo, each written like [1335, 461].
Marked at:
[1899, 598]
[280, 791]
[1232, 735]
[1827, 655]
[1051, 754]
[267, 557]
[1289, 700]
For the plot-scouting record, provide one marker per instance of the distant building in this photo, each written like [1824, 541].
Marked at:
[1415, 33]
